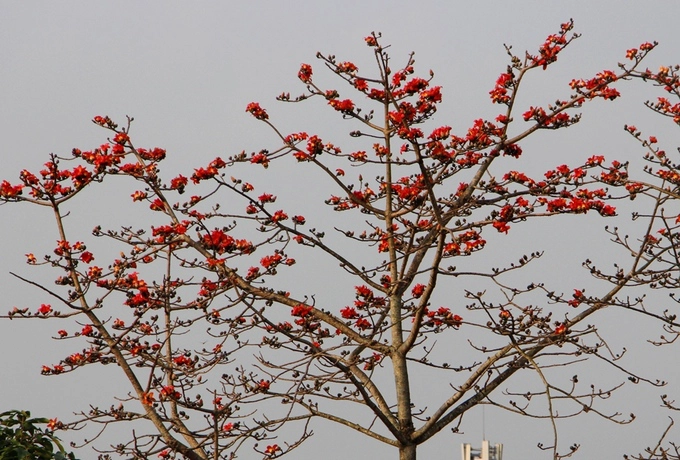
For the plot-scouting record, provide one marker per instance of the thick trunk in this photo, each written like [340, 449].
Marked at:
[407, 452]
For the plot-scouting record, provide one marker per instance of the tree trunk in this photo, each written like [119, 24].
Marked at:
[407, 452]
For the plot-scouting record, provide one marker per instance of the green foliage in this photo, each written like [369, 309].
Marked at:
[21, 439]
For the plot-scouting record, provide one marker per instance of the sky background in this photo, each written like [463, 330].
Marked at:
[185, 71]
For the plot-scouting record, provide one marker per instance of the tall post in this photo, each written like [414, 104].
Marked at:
[486, 452]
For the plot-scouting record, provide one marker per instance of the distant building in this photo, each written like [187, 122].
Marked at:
[486, 452]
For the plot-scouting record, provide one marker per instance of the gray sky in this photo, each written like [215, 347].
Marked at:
[186, 72]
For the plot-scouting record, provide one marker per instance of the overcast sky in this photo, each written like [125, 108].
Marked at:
[186, 70]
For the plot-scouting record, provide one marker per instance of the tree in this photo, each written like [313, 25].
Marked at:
[22, 439]
[219, 322]
[657, 263]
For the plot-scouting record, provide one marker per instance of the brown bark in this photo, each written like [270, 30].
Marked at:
[407, 452]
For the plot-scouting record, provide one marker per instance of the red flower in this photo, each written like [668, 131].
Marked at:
[138, 195]
[273, 449]
[271, 261]
[178, 183]
[87, 330]
[363, 324]
[8, 190]
[418, 290]
[54, 424]
[360, 84]
[183, 360]
[203, 174]
[260, 159]
[344, 106]
[502, 227]
[607, 211]
[121, 138]
[347, 67]
[80, 176]
[415, 85]
[305, 73]
[634, 187]
[44, 309]
[219, 241]
[255, 110]
[253, 272]
[157, 205]
[279, 216]
[349, 313]
[560, 329]
[578, 298]
[431, 95]
[363, 291]
[440, 133]
[148, 398]
[169, 392]
[301, 310]
[266, 198]
[87, 257]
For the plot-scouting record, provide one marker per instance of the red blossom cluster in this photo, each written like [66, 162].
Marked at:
[667, 77]
[314, 147]
[442, 317]
[664, 107]
[105, 157]
[464, 243]
[165, 233]
[295, 137]
[305, 318]
[255, 110]
[183, 361]
[221, 242]
[577, 205]
[344, 106]
[499, 94]
[169, 392]
[616, 174]
[365, 305]
[597, 86]
[409, 189]
[211, 171]
[147, 398]
[538, 114]
[74, 360]
[272, 450]
[305, 73]
[8, 190]
[552, 46]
